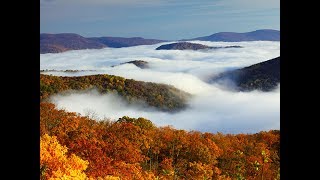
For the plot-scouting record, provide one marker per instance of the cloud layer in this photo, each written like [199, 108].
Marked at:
[212, 108]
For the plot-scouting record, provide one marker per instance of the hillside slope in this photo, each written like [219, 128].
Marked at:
[161, 96]
[133, 148]
[264, 76]
[56, 43]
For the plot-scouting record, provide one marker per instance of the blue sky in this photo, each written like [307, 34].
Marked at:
[158, 19]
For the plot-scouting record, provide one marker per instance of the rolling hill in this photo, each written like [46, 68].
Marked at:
[161, 96]
[264, 76]
[190, 46]
[182, 46]
[258, 35]
[118, 42]
[139, 63]
[56, 43]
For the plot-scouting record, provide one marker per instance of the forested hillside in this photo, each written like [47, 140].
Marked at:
[77, 147]
[80, 147]
[264, 76]
[161, 96]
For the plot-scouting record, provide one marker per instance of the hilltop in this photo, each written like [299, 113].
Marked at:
[264, 76]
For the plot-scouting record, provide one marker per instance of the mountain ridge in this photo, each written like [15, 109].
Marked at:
[118, 42]
[61, 42]
[257, 35]
[56, 43]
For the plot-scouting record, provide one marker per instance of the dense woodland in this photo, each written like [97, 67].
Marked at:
[161, 96]
[79, 147]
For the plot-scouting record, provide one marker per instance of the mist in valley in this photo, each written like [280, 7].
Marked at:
[212, 108]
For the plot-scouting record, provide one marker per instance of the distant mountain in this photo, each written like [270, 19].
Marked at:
[182, 46]
[189, 46]
[258, 35]
[56, 43]
[118, 42]
[264, 76]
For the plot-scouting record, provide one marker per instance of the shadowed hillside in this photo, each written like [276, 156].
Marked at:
[264, 76]
[190, 46]
[182, 46]
[139, 63]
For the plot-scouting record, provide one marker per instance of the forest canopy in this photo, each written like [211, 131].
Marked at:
[134, 148]
[161, 96]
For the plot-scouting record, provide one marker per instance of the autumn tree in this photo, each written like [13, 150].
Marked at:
[134, 148]
[56, 164]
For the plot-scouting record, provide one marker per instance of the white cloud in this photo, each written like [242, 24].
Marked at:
[212, 108]
[211, 111]
[196, 63]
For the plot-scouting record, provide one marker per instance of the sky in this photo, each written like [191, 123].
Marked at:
[212, 108]
[157, 19]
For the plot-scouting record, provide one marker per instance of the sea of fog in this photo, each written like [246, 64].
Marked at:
[212, 108]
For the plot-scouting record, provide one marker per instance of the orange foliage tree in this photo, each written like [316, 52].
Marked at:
[133, 148]
[55, 164]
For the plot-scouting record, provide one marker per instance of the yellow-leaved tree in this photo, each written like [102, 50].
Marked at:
[55, 164]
